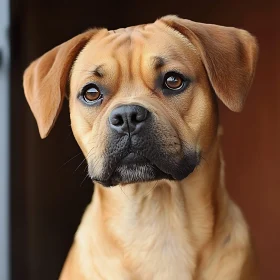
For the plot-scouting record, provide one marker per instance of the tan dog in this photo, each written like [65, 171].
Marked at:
[144, 111]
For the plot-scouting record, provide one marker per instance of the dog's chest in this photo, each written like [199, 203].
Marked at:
[158, 246]
[160, 257]
[138, 241]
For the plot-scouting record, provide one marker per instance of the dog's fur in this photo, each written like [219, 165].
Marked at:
[170, 218]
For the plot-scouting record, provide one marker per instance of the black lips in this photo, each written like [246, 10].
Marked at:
[135, 168]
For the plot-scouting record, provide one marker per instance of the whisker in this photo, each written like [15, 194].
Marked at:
[79, 165]
[152, 189]
[84, 180]
[124, 192]
[69, 160]
[203, 158]
[86, 158]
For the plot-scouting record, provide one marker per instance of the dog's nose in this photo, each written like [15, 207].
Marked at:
[128, 119]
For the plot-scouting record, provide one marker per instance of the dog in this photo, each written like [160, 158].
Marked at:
[143, 109]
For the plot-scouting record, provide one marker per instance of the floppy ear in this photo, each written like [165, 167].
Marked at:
[45, 81]
[229, 56]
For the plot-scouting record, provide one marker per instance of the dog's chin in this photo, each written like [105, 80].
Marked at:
[135, 169]
[132, 169]
[136, 172]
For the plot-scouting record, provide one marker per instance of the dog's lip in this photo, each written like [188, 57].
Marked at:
[131, 158]
[134, 158]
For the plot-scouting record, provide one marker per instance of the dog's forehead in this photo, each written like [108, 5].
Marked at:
[134, 53]
[148, 41]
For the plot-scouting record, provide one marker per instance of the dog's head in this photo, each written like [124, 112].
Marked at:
[143, 99]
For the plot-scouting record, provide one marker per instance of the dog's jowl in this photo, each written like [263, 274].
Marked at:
[143, 108]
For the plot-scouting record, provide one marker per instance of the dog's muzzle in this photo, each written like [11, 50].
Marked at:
[136, 151]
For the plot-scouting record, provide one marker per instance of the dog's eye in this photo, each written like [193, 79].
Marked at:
[91, 94]
[173, 81]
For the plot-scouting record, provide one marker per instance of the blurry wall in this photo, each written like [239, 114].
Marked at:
[49, 196]
[4, 139]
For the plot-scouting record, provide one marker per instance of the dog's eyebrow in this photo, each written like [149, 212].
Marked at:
[98, 71]
[158, 62]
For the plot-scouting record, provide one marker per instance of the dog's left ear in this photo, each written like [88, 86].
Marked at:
[45, 80]
[229, 56]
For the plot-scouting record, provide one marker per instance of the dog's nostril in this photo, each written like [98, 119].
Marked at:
[117, 120]
[140, 116]
[134, 117]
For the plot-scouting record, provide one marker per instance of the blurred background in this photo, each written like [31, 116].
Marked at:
[43, 189]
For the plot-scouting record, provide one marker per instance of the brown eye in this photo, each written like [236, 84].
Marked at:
[173, 81]
[91, 94]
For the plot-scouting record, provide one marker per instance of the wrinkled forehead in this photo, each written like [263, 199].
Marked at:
[150, 46]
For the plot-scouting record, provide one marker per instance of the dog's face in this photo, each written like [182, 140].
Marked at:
[141, 105]
[143, 99]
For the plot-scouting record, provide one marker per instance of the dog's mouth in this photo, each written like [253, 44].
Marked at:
[139, 158]
[134, 168]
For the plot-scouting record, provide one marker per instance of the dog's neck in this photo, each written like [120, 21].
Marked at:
[142, 221]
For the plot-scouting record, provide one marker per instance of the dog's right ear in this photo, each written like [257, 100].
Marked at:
[45, 80]
[228, 54]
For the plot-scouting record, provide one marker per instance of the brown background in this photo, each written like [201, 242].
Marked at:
[48, 197]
